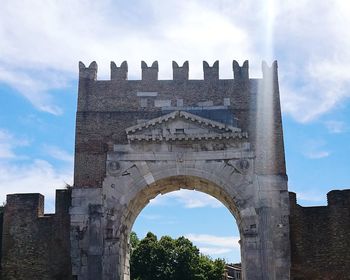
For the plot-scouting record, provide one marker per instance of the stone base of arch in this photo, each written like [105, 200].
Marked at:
[102, 218]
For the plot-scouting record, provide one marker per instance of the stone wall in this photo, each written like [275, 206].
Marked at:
[35, 245]
[320, 238]
[1, 226]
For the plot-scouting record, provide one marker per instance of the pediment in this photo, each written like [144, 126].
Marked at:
[182, 125]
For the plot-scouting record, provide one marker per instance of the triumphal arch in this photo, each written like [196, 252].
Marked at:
[136, 139]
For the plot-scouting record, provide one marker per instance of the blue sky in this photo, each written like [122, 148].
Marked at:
[42, 41]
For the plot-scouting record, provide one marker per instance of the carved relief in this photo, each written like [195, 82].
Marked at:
[183, 126]
[243, 165]
[113, 167]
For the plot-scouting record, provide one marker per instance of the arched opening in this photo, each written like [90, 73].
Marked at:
[169, 184]
[198, 217]
[104, 217]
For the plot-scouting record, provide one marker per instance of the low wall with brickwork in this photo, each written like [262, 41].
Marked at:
[37, 246]
[320, 238]
[1, 225]
[34, 245]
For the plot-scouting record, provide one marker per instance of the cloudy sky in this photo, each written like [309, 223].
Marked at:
[42, 41]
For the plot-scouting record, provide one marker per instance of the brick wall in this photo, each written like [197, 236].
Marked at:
[1, 227]
[320, 238]
[36, 246]
[106, 108]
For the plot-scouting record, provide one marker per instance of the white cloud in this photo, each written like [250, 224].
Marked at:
[18, 174]
[336, 126]
[42, 41]
[309, 102]
[311, 196]
[215, 245]
[58, 153]
[8, 143]
[317, 154]
[214, 250]
[38, 176]
[33, 88]
[316, 56]
[6, 148]
[220, 241]
[150, 217]
[314, 149]
[188, 199]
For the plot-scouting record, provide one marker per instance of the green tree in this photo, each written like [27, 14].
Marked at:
[171, 259]
[212, 269]
[166, 255]
[187, 259]
[134, 240]
[144, 263]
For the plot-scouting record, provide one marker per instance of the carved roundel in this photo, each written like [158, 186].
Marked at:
[113, 167]
[243, 165]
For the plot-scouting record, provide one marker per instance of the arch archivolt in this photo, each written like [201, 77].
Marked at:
[145, 180]
[102, 218]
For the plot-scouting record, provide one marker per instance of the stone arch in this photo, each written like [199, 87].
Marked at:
[105, 215]
[167, 185]
[147, 180]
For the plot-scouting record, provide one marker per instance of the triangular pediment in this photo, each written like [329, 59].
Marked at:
[182, 125]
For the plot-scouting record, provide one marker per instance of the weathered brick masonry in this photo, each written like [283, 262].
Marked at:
[107, 108]
[1, 227]
[320, 238]
[36, 246]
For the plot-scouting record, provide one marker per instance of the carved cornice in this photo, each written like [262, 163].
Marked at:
[185, 115]
[223, 131]
[208, 136]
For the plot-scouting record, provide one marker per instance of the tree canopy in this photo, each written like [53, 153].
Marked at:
[171, 259]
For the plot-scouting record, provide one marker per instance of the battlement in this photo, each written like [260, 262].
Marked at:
[335, 198]
[108, 107]
[180, 73]
[312, 228]
[32, 204]
[29, 234]
[29, 204]
[339, 198]
[180, 93]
